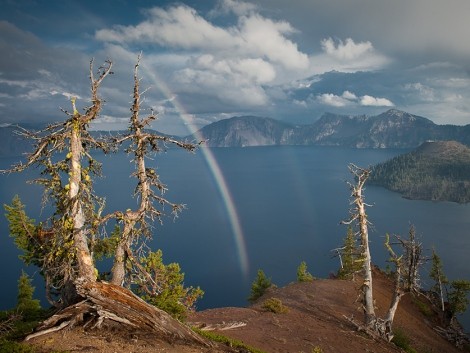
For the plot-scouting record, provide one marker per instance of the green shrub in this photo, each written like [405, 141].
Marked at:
[302, 273]
[259, 286]
[226, 340]
[15, 347]
[317, 349]
[423, 307]
[274, 305]
[401, 339]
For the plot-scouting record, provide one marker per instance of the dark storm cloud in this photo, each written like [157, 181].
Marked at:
[214, 59]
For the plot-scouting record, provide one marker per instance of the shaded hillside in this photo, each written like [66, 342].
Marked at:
[246, 131]
[391, 129]
[11, 144]
[315, 318]
[437, 171]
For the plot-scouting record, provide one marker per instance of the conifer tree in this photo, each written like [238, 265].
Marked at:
[259, 286]
[167, 290]
[26, 304]
[63, 154]
[350, 256]
[302, 273]
[458, 297]
[437, 274]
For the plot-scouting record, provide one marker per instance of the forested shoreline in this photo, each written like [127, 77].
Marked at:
[437, 171]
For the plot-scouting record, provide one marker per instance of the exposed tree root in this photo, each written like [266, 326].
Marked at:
[106, 303]
[379, 329]
[454, 335]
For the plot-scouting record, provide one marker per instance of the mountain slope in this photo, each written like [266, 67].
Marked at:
[316, 317]
[437, 171]
[246, 131]
[391, 129]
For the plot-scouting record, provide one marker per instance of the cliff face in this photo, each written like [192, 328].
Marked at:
[247, 131]
[392, 129]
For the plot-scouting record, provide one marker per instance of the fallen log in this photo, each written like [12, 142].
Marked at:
[105, 304]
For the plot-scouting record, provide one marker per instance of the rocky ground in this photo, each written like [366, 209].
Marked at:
[316, 318]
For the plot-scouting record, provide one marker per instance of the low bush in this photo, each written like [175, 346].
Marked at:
[274, 305]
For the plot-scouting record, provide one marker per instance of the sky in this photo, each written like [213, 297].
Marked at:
[207, 60]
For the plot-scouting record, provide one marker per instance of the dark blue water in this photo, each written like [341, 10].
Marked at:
[290, 201]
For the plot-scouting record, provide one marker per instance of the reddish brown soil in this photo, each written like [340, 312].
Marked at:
[315, 318]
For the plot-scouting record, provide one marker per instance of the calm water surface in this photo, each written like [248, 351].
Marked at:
[290, 201]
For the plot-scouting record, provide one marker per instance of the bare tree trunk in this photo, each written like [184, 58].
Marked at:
[118, 271]
[359, 215]
[441, 293]
[367, 284]
[86, 268]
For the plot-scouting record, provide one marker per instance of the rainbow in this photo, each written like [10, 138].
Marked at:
[215, 170]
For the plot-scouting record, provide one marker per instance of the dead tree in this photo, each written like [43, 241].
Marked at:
[63, 153]
[136, 224]
[407, 263]
[413, 259]
[359, 217]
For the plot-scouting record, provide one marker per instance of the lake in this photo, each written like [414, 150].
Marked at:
[284, 203]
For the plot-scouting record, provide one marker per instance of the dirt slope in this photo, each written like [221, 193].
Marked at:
[315, 319]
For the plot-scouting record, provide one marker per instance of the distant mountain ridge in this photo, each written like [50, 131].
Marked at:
[391, 129]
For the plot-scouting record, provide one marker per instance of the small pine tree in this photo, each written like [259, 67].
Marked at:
[259, 286]
[26, 305]
[437, 274]
[350, 256]
[302, 273]
[167, 290]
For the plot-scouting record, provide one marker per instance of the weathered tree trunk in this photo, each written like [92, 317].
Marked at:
[441, 292]
[367, 284]
[86, 269]
[359, 215]
[106, 304]
[397, 293]
[118, 271]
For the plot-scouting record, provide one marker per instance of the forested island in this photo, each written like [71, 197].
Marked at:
[436, 170]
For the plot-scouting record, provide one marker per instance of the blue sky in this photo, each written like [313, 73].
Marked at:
[209, 60]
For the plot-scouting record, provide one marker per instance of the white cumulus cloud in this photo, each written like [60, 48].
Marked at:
[350, 99]
[332, 100]
[347, 56]
[347, 50]
[375, 102]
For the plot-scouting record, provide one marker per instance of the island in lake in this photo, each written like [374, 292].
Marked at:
[436, 170]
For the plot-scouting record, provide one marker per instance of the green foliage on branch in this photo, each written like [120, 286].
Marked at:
[23, 230]
[457, 297]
